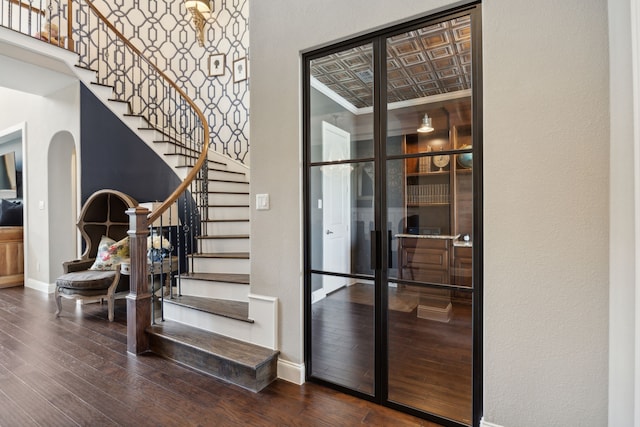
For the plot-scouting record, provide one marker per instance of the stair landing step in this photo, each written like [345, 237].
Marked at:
[225, 255]
[244, 364]
[241, 279]
[238, 310]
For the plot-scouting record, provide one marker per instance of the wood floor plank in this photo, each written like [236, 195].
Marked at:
[74, 370]
[12, 415]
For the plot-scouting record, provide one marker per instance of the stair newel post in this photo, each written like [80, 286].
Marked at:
[139, 298]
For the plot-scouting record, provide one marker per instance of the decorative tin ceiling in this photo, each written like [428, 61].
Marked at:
[429, 61]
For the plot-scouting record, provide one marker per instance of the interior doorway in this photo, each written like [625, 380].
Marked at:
[336, 209]
[399, 320]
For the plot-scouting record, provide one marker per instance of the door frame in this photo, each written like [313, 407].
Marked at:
[381, 258]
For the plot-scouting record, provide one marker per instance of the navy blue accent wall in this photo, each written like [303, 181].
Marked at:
[114, 157]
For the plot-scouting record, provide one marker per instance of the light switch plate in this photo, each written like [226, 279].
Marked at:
[262, 202]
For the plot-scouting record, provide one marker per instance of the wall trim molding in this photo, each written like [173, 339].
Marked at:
[47, 288]
[484, 423]
[292, 372]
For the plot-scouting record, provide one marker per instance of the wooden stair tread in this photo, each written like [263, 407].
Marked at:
[104, 85]
[228, 192]
[226, 255]
[238, 310]
[224, 206]
[224, 236]
[241, 352]
[222, 170]
[82, 67]
[226, 220]
[241, 279]
[228, 181]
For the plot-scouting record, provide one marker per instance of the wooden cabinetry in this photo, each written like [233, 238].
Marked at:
[424, 259]
[462, 265]
[11, 257]
[438, 208]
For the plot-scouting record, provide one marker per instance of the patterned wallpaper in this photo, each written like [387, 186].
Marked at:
[163, 30]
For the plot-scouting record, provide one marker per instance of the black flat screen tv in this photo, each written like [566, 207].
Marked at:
[8, 176]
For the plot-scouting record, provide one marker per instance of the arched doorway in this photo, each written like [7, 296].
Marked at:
[63, 201]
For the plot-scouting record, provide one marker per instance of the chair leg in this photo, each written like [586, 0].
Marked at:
[110, 304]
[58, 298]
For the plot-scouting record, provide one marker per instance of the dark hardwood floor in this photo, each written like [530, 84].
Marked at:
[75, 370]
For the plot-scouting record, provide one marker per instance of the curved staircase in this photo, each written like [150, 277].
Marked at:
[213, 322]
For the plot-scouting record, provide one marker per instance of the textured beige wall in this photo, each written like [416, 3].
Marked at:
[546, 168]
[546, 212]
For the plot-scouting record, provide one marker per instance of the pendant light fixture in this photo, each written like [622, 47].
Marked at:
[425, 126]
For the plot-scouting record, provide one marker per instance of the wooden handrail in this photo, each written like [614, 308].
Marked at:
[28, 7]
[205, 144]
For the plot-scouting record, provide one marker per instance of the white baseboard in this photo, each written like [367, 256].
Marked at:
[292, 372]
[484, 423]
[318, 295]
[47, 288]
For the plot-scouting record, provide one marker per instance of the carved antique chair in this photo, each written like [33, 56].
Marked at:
[103, 224]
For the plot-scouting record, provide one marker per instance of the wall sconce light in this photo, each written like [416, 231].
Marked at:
[425, 126]
[197, 8]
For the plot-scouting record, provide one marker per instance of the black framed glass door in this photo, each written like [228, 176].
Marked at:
[393, 217]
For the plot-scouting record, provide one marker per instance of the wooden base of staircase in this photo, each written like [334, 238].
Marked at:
[246, 365]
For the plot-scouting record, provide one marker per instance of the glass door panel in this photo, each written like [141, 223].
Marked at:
[429, 209]
[341, 211]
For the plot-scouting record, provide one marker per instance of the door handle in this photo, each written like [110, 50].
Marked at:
[329, 232]
[375, 241]
[389, 250]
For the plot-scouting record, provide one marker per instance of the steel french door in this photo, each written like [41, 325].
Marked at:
[393, 305]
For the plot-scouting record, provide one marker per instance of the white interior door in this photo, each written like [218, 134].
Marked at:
[336, 211]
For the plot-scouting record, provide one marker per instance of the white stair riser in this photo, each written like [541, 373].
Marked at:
[102, 92]
[133, 121]
[224, 245]
[209, 322]
[221, 265]
[150, 135]
[219, 290]
[228, 186]
[231, 164]
[214, 173]
[219, 212]
[230, 199]
[226, 228]
[120, 108]
[85, 75]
